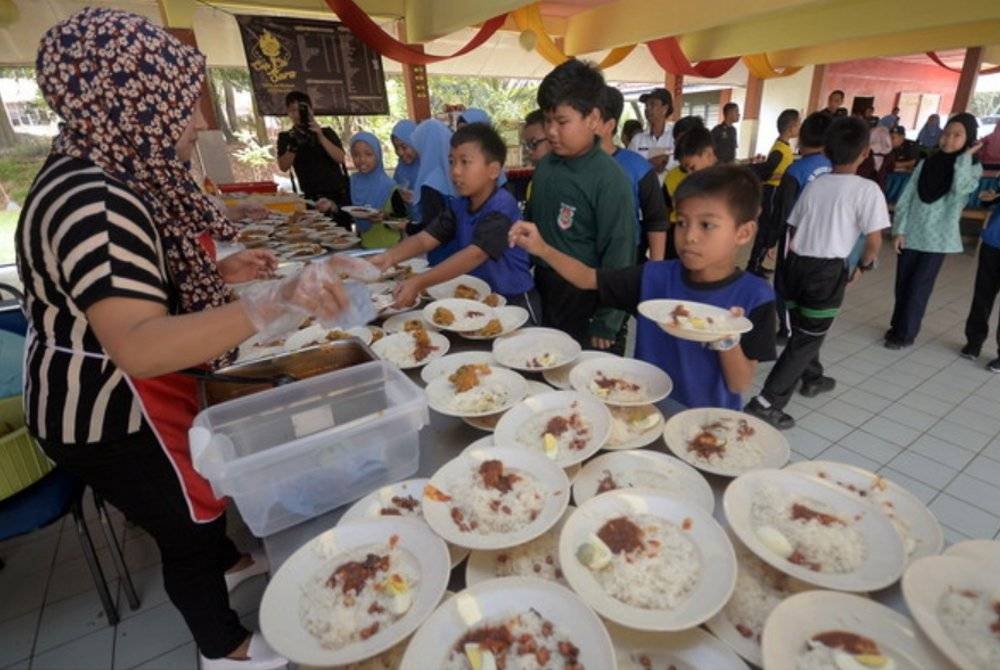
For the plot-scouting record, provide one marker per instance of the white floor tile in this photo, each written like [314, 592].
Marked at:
[17, 635]
[805, 442]
[888, 390]
[827, 427]
[72, 578]
[943, 452]
[922, 491]
[993, 449]
[70, 619]
[21, 594]
[149, 635]
[874, 448]
[985, 468]
[36, 555]
[148, 586]
[943, 392]
[952, 536]
[859, 397]
[964, 518]
[926, 403]
[891, 431]
[976, 492]
[923, 469]
[845, 412]
[91, 652]
[845, 376]
[184, 657]
[959, 434]
[977, 421]
[841, 454]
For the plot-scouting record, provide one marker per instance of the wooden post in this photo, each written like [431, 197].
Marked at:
[751, 113]
[725, 97]
[967, 81]
[415, 83]
[816, 90]
[675, 84]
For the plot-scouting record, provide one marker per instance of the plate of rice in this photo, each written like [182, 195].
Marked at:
[537, 558]
[487, 442]
[956, 601]
[446, 365]
[475, 389]
[694, 321]
[634, 427]
[402, 499]
[688, 650]
[814, 530]
[407, 321]
[917, 526]
[759, 589]
[495, 497]
[619, 471]
[621, 381]
[648, 561]
[559, 377]
[354, 591]
[464, 287]
[490, 421]
[458, 315]
[316, 335]
[352, 267]
[535, 349]
[823, 630]
[486, 625]
[504, 322]
[725, 442]
[361, 211]
[564, 426]
[984, 551]
[411, 349]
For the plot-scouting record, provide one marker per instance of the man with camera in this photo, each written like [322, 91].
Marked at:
[315, 152]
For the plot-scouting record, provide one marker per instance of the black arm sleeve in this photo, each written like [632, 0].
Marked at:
[398, 205]
[654, 208]
[491, 234]
[284, 142]
[331, 134]
[431, 203]
[442, 227]
[784, 199]
[619, 288]
[766, 169]
[759, 343]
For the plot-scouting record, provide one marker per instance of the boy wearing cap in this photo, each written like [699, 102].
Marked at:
[657, 143]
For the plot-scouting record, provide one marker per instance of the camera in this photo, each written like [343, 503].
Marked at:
[300, 133]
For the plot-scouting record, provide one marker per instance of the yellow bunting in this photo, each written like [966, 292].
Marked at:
[760, 66]
[529, 19]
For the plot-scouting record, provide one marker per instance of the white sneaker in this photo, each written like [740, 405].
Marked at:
[260, 656]
[259, 566]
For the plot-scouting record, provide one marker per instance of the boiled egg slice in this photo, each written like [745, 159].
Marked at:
[593, 553]
[845, 661]
[647, 422]
[775, 541]
[551, 445]
[479, 658]
[402, 598]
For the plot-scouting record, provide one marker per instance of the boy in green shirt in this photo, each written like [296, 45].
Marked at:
[582, 203]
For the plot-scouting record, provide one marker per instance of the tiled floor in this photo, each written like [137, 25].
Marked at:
[922, 416]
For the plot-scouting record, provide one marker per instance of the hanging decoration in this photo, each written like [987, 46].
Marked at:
[937, 59]
[9, 13]
[372, 34]
[760, 67]
[529, 20]
[668, 54]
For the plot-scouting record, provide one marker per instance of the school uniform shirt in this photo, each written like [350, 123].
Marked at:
[644, 142]
[991, 233]
[650, 209]
[787, 157]
[583, 207]
[670, 183]
[934, 227]
[508, 270]
[798, 175]
[833, 211]
[694, 368]
[724, 141]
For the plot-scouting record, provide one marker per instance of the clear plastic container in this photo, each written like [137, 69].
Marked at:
[294, 452]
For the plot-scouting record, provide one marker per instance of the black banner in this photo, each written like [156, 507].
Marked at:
[340, 73]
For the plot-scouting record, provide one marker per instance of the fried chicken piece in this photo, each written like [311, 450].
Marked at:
[493, 300]
[466, 377]
[492, 328]
[443, 316]
[412, 325]
[422, 345]
[494, 478]
[621, 535]
[466, 292]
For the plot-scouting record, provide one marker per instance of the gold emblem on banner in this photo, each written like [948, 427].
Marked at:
[271, 57]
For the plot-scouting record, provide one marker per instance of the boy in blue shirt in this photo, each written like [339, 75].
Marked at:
[987, 286]
[478, 221]
[717, 208]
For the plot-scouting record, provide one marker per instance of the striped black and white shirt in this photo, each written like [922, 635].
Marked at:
[82, 237]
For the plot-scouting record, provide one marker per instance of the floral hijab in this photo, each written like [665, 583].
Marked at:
[125, 90]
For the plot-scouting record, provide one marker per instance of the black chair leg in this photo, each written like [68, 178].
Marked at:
[93, 563]
[116, 553]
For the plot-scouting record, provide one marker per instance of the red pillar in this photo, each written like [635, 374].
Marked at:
[967, 81]
[816, 101]
[675, 84]
[416, 84]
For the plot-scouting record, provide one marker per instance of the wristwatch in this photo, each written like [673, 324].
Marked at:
[868, 268]
[725, 344]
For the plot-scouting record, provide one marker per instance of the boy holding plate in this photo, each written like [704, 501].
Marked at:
[717, 209]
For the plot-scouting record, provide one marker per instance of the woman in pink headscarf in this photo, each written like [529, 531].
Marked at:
[990, 153]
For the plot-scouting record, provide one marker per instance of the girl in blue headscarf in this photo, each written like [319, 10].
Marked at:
[408, 167]
[372, 187]
[434, 189]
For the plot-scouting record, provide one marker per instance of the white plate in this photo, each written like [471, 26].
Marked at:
[487, 443]
[984, 551]
[511, 318]
[361, 212]
[559, 377]
[316, 335]
[927, 580]
[353, 267]
[481, 566]
[688, 650]
[682, 426]
[796, 620]
[445, 365]
[441, 393]
[885, 557]
[417, 265]
[718, 562]
[654, 383]
[676, 478]
[552, 482]
[489, 422]
[894, 501]
[501, 598]
[500, 300]
[469, 314]
[342, 243]
[446, 289]
[371, 506]
[279, 620]
[384, 348]
[521, 350]
[556, 402]
[396, 322]
[643, 439]
[720, 323]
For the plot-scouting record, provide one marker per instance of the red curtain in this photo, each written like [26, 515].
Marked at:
[934, 57]
[371, 34]
[668, 54]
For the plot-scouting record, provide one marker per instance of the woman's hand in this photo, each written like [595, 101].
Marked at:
[601, 343]
[899, 243]
[382, 261]
[325, 205]
[407, 293]
[974, 149]
[278, 307]
[248, 265]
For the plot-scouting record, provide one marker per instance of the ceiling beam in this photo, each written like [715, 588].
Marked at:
[899, 44]
[429, 19]
[816, 24]
[629, 21]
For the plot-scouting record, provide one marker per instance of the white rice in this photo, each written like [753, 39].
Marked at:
[526, 623]
[387, 660]
[336, 619]
[485, 397]
[660, 577]
[819, 657]
[877, 494]
[669, 482]
[967, 616]
[532, 433]
[543, 357]
[400, 350]
[647, 660]
[759, 589]
[616, 393]
[740, 454]
[836, 548]
[476, 502]
[623, 430]
[538, 558]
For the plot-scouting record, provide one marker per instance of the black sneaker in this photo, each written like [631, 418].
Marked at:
[771, 415]
[994, 365]
[814, 387]
[895, 345]
[969, 352]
